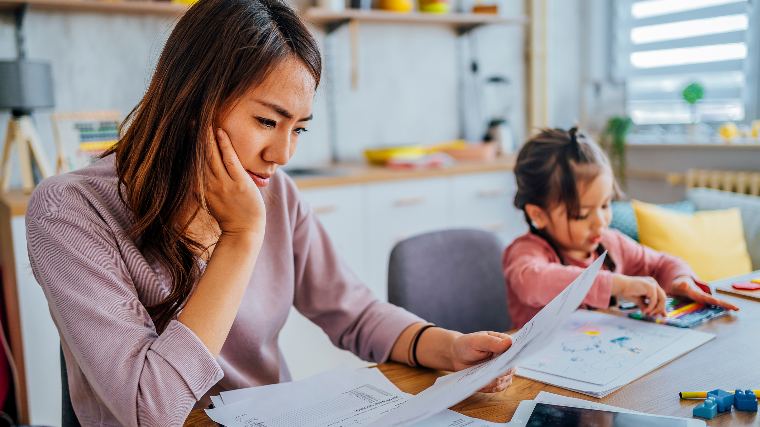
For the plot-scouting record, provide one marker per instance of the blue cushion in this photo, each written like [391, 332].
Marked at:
[624, 219]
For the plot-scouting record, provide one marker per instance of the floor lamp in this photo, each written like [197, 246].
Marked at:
[24, 87]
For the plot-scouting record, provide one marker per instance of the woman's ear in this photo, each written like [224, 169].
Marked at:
[538, 217]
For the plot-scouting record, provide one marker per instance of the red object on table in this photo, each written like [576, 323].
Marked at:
[746, 286]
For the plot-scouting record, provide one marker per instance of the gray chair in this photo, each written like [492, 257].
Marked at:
[452, 278]
[69, 417]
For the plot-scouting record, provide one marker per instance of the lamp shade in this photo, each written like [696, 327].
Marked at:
[25, 86]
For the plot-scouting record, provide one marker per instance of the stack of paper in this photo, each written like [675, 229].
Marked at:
[336, 398]
[596, 353]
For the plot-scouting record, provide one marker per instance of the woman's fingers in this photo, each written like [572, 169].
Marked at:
[499, 384]
[215, 164]
[491, 342]
[229, 157]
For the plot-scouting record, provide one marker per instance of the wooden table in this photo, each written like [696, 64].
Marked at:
[730, 360]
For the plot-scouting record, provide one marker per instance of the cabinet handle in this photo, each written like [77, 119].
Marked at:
[495, 227]
[408, 201]
[325, 209]
[490, 194]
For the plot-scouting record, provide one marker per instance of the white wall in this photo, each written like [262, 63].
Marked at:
[563, 62]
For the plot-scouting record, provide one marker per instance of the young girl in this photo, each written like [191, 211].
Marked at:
[564, 187]
[171, 264]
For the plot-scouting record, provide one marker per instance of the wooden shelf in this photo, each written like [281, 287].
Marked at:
[316, 16]
[460, 20]
[101, 6]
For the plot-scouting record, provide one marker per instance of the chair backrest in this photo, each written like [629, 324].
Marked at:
[452, 278]
[69, 417]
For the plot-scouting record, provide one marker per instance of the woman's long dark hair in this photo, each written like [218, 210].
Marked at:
[218, 50]
[548, 169]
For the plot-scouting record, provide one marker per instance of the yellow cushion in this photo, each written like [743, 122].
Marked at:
[711, 242]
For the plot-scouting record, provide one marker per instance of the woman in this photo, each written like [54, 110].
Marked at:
[170, 265]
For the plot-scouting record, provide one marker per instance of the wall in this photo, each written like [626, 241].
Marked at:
[563, 62]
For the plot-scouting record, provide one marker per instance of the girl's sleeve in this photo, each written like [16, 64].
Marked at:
[639, 260]
[330, 295]
[535, 276]
[138, 375]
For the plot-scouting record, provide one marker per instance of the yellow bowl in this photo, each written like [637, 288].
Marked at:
[381, 155]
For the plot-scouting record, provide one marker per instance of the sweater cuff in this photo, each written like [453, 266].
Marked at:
[182, 349]
[601, 292]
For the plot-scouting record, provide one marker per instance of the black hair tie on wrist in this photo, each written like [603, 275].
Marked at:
[417, 340]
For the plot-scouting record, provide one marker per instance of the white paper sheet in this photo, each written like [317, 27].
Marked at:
[337, 379]
[539, 331]
[597, 347]
[554, 366]
[353, 396]
[335, 398]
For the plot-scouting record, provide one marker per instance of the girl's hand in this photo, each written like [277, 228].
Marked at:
[231, 195]
[684, 286]
[644, 291]
[472, 349]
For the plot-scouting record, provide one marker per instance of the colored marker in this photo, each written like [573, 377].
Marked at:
[703, 394]
[688, 308]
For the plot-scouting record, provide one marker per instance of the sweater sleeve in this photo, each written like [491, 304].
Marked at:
[331, 296]
[140, 376]
[639, 260]
[535, 276]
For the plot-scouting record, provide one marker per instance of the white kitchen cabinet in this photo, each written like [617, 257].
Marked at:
[485, 201]
[398, 210]
[341, 212]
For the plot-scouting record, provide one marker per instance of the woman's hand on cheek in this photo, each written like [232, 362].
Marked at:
[471, 349]
[232, 197]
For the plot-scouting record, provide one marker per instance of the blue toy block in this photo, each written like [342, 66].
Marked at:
[724, 399]
[745, 401]
[707, 409]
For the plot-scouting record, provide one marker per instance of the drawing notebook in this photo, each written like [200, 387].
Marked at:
[596, 353]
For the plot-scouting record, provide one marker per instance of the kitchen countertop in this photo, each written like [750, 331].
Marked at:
[334, 176]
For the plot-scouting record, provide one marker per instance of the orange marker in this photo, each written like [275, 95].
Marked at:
[703, 394]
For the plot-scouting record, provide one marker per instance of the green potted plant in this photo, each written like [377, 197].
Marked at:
[692, 94]
[614, 139]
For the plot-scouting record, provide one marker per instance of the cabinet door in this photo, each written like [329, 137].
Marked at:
[485, 201]
[399, 210]
[306, 348]
[341, 212]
